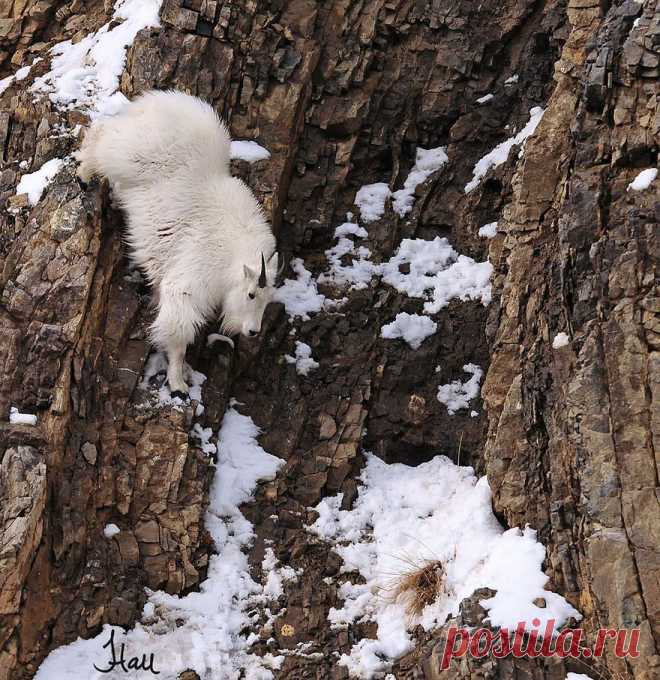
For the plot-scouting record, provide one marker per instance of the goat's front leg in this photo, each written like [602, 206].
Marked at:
[173, 330]
[176, 354]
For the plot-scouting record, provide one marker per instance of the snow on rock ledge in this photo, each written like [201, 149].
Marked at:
[370, 199]
[643, 180]
[501, 152]
[407, 516]
[34, 184]
[488, 230]
[437, 273]
[249, 151]
[302, 359]
[413, 328]
[300, 296]
[18, 418]
[86, 74]
[457, 395]
[427, 161]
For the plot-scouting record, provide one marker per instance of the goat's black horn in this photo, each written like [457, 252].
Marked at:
[262, 276]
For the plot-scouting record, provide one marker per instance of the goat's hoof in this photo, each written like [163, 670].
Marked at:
[181, 395]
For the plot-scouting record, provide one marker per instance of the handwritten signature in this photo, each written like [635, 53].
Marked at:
[134, 663]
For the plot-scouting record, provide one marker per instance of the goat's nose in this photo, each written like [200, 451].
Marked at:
[252, 333]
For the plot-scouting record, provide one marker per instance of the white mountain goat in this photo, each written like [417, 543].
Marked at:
[198, 233]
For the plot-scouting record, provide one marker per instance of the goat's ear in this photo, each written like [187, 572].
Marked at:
[249, 273]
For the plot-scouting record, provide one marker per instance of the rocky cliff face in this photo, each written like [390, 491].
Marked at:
[573, 428]
[342, 94]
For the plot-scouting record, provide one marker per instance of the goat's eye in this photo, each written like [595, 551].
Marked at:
[251, 296]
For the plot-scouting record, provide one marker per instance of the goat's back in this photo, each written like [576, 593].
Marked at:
[160, 134]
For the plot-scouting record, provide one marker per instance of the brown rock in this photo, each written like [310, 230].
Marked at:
[342, 95]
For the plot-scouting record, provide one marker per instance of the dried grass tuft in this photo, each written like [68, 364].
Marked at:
[420, 587]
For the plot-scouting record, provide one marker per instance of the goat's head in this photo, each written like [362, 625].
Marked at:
[245, 303]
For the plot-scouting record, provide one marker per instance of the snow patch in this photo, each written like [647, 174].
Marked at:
[350, 228]
[276, 576]
[488, 230]
[86, 74]
[430, 270]
[111, 530]
[512, 79]
[427, 162]
[358, 270]
[6, 82]
[407, 516]
[457, 395]
[300, 296]
[501, 152]
[18, 418]
[21, 74]
[35, 183]
[302, 359]
[437, 273]
[203, 436]
[485, 98]
[643, 180]
[413, 328]
[370, 199]
[249, 151]
[561, 340]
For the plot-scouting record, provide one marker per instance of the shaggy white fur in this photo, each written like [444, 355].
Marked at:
[198, 233]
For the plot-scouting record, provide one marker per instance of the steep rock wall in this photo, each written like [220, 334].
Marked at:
[342, 94]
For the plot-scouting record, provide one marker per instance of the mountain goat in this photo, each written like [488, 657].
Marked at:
[197, 233]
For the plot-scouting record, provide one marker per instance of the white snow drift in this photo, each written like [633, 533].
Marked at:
[248, 150]
[300, 296]
[302, 359]
[501, 152]
[35, 183]
[405, 517]
[427, 162]
[370, 199]
[437, 273]
[457, 395]
[643, 180]
[18, 418]
[86, 74]
[21, 74]
[488, 230]
[413, 328]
